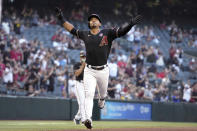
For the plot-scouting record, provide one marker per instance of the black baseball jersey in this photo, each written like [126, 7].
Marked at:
[76, 67]
[97, 46]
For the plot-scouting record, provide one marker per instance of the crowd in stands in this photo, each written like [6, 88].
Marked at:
[180, 34]
[142, 72]
[132, 78]
[26, 65]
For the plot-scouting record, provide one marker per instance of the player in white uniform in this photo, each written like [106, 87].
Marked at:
[79, 93]
[98, 44]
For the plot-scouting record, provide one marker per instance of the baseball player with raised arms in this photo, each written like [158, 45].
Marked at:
[79, 93]
[98, 43]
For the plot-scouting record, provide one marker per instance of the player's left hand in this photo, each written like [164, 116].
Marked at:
[136, 20]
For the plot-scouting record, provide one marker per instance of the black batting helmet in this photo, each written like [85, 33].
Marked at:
[94, 16]
[82, 54]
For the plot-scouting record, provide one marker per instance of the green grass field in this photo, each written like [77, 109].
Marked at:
[63, 125]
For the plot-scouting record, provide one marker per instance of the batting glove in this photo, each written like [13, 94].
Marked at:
[136, 20]
[59, 14]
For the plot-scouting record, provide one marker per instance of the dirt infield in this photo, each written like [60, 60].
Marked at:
[139, 129]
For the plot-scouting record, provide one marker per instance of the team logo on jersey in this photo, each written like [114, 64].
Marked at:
[104, 41]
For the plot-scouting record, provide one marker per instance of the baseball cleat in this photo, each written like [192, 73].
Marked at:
[88, 124]
[76, 121]
[101, 103]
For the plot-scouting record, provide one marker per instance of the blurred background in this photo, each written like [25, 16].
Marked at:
[156, 61]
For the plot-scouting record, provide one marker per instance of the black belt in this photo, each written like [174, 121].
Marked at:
[97, 67]
[80, 80]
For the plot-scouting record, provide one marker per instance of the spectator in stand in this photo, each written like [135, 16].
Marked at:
[176, 96]
[151, 33]
[129, 70]
[8, 75]
[160, 60]
[121, 68]
[2, 68]
[190, 43]
[140, 93]
[125, 94]
[111, 88]
[6, 56]
[23, 78]
[119, 86]
[44, 63]
[132, 60]
[35, 18]
[163, 25]
[179, 36]
[131, 35]
[156, 40]
[179, 53]
[22, 40]
[17, 26]
[61, 77]
[16, 70]
[148, 93]
[45, 81]
[173, 59]
[144, 49]
[151, 57]
[173, 34]
[13, 53]
[121, 64]
[194, 92]
[160, 92]
[164, 96]
[156, 92]
[193, 65]
[30, 91]
[195, 42]
[140, 58]
[36, 66]
[113, 68]
[140, 77]
[173, 76]
[63, 61]
[145, 32]
[172, 51]
[2, 45]
[187, 92]
[33, 79]
[122, 56]
[6, 27]
[137, 36]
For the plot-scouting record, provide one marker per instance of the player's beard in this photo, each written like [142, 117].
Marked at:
[93, 27]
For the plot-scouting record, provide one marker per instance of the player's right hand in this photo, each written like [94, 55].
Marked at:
[59, 13]
[83, 63]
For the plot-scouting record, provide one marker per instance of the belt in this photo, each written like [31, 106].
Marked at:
[80, 80]
[97, 67]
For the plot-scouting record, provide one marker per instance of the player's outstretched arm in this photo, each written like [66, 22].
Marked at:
[68, 26]
[124, 30]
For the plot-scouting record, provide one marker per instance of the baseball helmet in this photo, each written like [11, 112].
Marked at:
[94, 16]
[82, 54]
